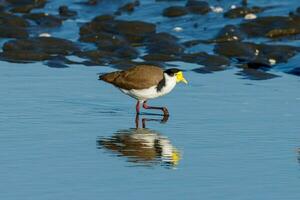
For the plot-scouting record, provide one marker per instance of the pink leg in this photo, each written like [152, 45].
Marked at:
[137, 120]
[164, 109]
[137, 107]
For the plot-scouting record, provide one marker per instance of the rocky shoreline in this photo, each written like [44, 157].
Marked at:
[110, 40]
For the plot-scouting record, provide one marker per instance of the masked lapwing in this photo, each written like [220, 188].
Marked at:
[144, 82]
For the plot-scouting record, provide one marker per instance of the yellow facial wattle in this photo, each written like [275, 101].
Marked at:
[175, 157]
[180, 77]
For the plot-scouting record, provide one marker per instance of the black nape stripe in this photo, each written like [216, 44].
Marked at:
[172, 71]
[161, 84]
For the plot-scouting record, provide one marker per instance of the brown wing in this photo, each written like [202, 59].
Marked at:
[138, 77]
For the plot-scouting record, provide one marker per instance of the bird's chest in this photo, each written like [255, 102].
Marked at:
[149, 93]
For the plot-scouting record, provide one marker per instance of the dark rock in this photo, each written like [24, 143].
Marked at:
[8, 19]
[175, 11]
[97, 56]
[36, 49]
[163, 43]
[25, 6]
[295, 71]
[256, 55]
[198, 7]
[229, 33]
[110, 42]
[129, 7]
[160, 57]
[279, 53]
[12, 32]
[125, 64]
[162, 36]
[12, 26]
[209, 69]
[65, 12]
[134, 31]
[236, 49]
[242, 11]
[254, 74]
[56, 64]
[126, 52]
[44, 19]
[192, 43]
[256, 63]
[24, 56]
[94, 30]
[89, 2]
[205, 59]
[272, 27]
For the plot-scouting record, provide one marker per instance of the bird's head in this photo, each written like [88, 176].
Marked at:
[174, 72]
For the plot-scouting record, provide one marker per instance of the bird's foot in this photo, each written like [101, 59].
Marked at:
[165, 110]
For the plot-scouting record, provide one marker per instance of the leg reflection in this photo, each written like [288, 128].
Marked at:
[144, 120]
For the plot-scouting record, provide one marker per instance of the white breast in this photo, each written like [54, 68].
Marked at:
[151, 93]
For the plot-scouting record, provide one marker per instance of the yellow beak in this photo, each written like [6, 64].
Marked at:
[180, 78]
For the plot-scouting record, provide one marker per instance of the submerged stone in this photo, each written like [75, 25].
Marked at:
[135, 32]
[44, 19]
[256, 55]
[209, 69]
[175, 11]
[36, 49]
[198, 7]
[206, 59]
[242, 11]
[129, 7]
[229, 33]
[236, 49]
[12, 26]
[274, 26]
[109, 42]
[25, 6]
[66, 12]
[295, 71]
[163, 43]
[160, 57]
[97, 56]
[254, 74]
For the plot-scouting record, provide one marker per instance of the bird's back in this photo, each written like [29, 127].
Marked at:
[138, 77]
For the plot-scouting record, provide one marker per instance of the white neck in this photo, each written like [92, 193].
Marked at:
[170, 82]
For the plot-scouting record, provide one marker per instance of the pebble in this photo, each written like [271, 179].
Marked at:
[217, 9]
[177, 29]
[250, 16]
[45, 35]
[272, 61]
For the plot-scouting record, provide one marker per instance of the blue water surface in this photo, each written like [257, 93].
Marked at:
[236, 138]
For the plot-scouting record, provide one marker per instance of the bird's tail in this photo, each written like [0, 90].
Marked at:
[109, 77]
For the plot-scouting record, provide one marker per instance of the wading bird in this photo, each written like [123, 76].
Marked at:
[144, 82]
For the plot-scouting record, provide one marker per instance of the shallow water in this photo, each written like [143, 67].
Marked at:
[234, 138]
[237, 138]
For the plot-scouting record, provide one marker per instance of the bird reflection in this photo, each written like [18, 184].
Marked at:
[142, 146]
